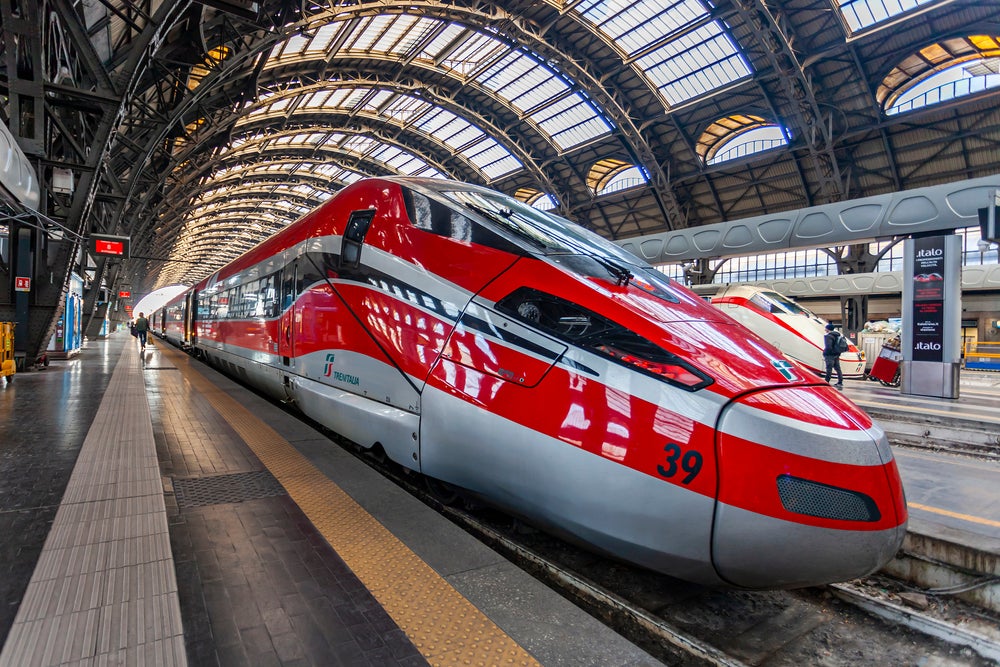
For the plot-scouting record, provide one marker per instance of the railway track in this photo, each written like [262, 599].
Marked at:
[686, 624]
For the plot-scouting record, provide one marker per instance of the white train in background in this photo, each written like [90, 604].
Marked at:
[794, 330]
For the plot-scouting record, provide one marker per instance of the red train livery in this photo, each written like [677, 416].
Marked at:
[528, 362]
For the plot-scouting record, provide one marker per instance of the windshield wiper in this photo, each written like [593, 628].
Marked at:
[621, 274]
[503, 218]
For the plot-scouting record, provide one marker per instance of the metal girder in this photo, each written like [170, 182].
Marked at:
[815, 124]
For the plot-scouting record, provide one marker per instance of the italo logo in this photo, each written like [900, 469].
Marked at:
[786, 369]
[328, 369]
[934, 252]
[927, 346]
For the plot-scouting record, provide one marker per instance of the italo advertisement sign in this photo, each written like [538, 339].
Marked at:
[928, 299]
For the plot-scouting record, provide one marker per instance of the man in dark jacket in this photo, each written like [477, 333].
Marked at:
[142, 326]
[831, 355]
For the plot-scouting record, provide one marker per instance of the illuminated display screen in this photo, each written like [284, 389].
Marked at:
[109, 246]
[124, 295]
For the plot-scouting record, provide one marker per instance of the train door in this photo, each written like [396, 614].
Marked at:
[190, 314]
[286, 339]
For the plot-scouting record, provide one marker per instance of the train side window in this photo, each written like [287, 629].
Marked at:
[287, 286]
[267, 298]
[354, 237]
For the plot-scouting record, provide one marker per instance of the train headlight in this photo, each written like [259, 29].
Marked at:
[672, 370]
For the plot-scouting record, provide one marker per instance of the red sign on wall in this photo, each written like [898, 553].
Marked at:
[22, 284]
[124, 295]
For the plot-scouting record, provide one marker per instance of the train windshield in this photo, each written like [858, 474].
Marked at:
[564, 242]
[785, 304]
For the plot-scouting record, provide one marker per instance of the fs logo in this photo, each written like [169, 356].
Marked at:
[328, 369]
[786, 369]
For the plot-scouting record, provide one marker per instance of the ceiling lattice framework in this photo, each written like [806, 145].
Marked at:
[197, 128]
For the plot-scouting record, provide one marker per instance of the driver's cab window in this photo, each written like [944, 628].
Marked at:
[437, 218]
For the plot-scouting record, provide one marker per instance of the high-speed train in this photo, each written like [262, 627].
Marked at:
[788, 326]
[530, 363]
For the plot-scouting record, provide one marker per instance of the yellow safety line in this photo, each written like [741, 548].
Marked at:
[955, 515]
[445, 627]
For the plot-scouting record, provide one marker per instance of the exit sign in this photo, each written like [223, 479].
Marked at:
[124, 295]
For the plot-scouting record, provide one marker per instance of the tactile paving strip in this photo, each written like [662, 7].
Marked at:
[220, 489]
[446, 628]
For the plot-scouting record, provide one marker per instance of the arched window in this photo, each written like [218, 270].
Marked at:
[738, 136]
[611, 175]
[535, 198]
[942, 72]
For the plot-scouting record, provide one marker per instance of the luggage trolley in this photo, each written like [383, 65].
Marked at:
[886, 366]
[7, 364]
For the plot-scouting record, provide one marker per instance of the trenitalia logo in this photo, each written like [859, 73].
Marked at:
[786, 369]
[328, 369]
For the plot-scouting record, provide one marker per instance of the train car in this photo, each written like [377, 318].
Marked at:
[788, 326]
[518, 358]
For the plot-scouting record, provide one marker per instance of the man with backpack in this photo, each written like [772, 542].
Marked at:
[834, 344]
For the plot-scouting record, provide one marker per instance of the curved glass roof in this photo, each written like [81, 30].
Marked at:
[543, 96]
[678, 46]
[435, 123]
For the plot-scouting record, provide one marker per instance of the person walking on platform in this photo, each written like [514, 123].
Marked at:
[831, 354]
[141, 327]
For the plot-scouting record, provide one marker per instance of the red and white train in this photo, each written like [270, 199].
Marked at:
[794, 330]
[520, 358]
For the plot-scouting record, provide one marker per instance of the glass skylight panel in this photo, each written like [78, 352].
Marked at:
[861, 14]
[372, 28]
[400, 32]
[405, 108]
[360, 145]
[492, 158]
[315, 100]
[324, 36]
[459, 132]
[696, 63]
[372, 101]
[523, 80]
[278, 105]
[474, 52]
[571, 121]
[635, 25]
[441, 41]
[295, 45]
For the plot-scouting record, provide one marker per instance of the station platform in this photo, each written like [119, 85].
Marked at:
[154, 511]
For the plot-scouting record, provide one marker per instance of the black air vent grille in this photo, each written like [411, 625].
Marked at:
[803, 496]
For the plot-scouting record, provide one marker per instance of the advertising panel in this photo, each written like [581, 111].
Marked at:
[928, 299]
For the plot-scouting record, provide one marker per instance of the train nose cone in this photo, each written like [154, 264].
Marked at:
[808, 494]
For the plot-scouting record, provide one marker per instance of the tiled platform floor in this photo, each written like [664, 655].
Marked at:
[255, 581]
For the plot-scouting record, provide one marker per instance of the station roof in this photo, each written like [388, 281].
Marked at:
[201, 128]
